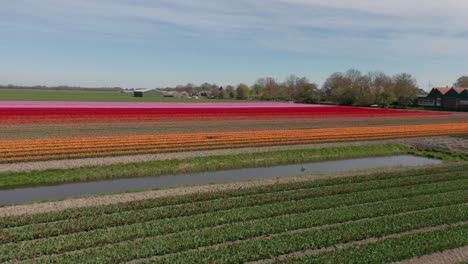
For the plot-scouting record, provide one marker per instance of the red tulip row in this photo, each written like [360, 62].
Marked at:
[44, 115]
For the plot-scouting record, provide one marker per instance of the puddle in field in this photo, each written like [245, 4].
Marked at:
[23, 195]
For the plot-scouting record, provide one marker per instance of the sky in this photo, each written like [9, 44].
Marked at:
[158, 43]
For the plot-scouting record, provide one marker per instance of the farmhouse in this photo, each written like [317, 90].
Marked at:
[445, 97]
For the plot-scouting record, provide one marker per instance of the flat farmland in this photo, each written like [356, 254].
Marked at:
[381, 215]
[375, 218]
[83, 95]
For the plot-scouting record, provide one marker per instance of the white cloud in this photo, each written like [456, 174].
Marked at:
[398, 27]
[394, 7]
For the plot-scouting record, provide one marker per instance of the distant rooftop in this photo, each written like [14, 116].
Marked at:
[444, 90]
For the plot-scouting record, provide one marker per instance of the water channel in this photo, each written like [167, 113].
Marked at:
[22, 195]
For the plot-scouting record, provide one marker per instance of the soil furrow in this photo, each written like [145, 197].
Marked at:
[355, 243]
[306, 252]
[247, 221]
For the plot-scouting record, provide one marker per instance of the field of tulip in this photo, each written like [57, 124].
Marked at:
[59, 112]
[375, 217]
[381, 217]
[62, 148]
[38, 131]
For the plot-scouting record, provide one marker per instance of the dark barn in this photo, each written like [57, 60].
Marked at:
[449, 98]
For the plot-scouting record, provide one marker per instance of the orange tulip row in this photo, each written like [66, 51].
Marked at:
[206, 142]
[196, 137]
[44, 149]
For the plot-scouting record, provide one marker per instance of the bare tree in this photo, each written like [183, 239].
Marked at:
[189, 88]
[215, 92]
[273, 91]
[290, 84]
[230, 92]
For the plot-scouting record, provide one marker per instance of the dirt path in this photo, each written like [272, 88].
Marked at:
[445, 142]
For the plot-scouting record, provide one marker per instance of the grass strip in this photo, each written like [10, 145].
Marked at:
[199, 164]
[33, 94]
[45, 230]
[393, 249]
[13, 221]
[260, 247]
[79, 241]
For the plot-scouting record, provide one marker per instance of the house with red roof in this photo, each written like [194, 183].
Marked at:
[445, 97]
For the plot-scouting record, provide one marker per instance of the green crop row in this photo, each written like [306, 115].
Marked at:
[342, 183]
[267, 248]
[393, 249]
[91, 223]
[301, 219]
[253, 245]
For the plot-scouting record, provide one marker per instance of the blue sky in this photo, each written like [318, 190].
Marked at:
[153, 43]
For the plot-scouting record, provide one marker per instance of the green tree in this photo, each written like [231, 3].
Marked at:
[339, 88]
[258, 90]
[342, 96]
[382, 88]
[462, 82]
[307, 93]
[243, 91]
[386, 98]
[405, 89]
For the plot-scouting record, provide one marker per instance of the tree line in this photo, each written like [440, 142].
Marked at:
[345, 88]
